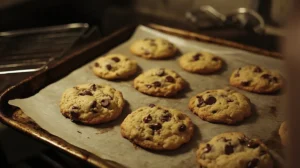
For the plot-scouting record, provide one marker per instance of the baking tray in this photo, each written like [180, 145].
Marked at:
[15, 118]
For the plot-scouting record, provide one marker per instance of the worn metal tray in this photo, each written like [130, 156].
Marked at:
[16, 119]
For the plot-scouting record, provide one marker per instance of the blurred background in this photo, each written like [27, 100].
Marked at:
[262, 29]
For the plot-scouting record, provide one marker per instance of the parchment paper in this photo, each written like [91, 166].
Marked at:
[106, 141]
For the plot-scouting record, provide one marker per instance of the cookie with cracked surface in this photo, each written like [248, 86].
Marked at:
[153, 48]
[256, 79]
[233, 150]
[158, 128]
[221, 106]
[200, 62]
[159, 82]
[283, 133]
[114, 66]
[91, 103]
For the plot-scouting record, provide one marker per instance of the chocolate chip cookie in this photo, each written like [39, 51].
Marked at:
[159, 82]
[158, 128]
[200, 62]
[153, 48]
[221, 106]
[91, 103]
[233, 150]
[256, 79]
[114, 66]
[283, 133]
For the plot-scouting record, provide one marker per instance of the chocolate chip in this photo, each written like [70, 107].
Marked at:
[226, 140]
[242, 141]
[108, 67]
[156, 84]
[196, 56]
[200, 101]
[160, 72]
[237, 75]
[253, 163]
[207, 148]
[229, 100]
[94, 104]
[211, 100]
[116, 59]
[266, 76]
[105, 103]
[245, 83]
[151, 105]
[262, 152]
[96, 64]
[252, 144]
[156, 126]
[170, 79]
[275, 79]
[93, 87]
[228, 149]
[74, 115]
[166, 116]
[215, 59]
[147, 119]
[148, 86]
[86, 92]
[257, 70]
[182, 128]
[214, 111]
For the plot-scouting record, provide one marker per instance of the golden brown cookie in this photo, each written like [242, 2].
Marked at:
[256, 79]
[153, 48]
[158, 128]
[91, 103]
[114, 66]
[233, 150]
[200, 62]
[221, 106]
[159, 82]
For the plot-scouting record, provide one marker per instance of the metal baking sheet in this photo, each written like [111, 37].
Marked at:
[105, 140]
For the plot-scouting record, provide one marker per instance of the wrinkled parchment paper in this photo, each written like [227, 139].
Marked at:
[106, 141]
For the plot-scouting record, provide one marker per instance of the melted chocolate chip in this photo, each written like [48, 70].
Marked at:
[266, 76]
[94, 104]
[74, 115]
[182, 128]
[147, 119]
[242, 141]
[170, 79]
[226, 140]
[93, 87]
[148, 86]
[245, 83]
[196, 56]
[200, 101]
[160, 72]
[96, 64]
[166, 116]
[229, 100]
[156, 126]
[262, 152]
[228, 149]
[214, 111]
[207, 148]
[252, 144]
[237, 75]
[257, 70]
[215, 59]
[86, 92]
[156, 84]
[275, 79]
[211, 100]
[151, 105]
[253, 163]
[105, 103]
[116, 59]
[108, 67]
